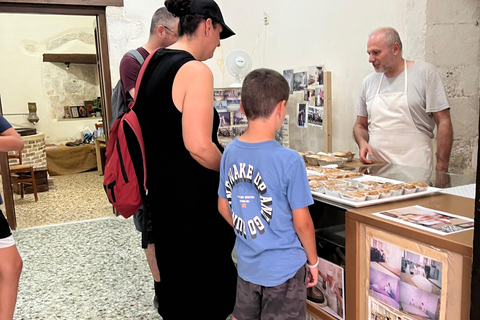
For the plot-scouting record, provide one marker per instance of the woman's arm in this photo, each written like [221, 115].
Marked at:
[193, 96]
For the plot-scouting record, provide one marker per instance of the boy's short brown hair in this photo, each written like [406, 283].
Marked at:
[262, 90]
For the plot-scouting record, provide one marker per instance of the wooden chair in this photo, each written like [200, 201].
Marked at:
[22, 173]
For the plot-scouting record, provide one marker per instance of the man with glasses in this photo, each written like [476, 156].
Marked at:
[163, 33]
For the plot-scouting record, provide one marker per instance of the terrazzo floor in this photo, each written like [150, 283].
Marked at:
[84, 270]
[80, 261]
[75, 197]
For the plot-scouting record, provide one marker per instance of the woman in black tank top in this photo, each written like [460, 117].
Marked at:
[174, 105]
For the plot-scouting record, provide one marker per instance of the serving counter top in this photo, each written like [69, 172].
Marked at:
[461, 242]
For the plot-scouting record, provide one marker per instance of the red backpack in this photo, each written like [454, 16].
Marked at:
[120, 179]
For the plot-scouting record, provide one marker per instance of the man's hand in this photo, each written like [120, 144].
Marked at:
[364, 150]
[360, 132]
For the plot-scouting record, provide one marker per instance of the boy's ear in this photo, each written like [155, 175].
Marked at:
[241, 109]
[282, 104]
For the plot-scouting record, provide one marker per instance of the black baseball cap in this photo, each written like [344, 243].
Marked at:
[210, 9]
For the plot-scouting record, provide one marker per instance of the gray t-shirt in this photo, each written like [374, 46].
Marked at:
[425, 93]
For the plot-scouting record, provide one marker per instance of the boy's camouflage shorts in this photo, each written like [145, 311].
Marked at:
[283, 302]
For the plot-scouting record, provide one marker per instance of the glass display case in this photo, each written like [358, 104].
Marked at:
[329, 218]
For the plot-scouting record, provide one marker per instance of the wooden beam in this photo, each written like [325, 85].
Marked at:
[101, 38]
[327, 111]
[94, 3]
[81, 58]
[475, 292]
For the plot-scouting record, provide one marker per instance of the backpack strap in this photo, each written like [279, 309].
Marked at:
[133, 121]
[140, 76]
[134, 53]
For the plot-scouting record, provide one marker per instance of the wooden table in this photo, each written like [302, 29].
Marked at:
[100, 147]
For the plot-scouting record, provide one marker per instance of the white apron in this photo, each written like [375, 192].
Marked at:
[393, 135]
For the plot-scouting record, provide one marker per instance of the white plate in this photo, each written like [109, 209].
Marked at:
[366, 203]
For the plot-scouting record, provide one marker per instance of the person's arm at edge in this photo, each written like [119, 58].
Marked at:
[444, 139]
[303, 224]
[10, 140]
[360, 132]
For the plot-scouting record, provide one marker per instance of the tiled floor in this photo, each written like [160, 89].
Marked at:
[75, 197]
[76, 267]
[84, 270]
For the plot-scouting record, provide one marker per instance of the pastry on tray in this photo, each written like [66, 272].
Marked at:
[372, 194]
[317, 186]
[421, 186]
[316, 177]
[409, 188]
[353, 196]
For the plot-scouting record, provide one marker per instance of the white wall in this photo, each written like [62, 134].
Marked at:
[128, 28]
[304, 33]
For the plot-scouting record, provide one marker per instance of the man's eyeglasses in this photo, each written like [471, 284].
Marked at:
[167, 28]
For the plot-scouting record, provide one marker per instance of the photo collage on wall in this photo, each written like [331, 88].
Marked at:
[233, 123]
[410, 284]
[311, 84]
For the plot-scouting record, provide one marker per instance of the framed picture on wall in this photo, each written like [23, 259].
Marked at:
[67, 112]
[74, 111]
[89, 107]
[82, 111]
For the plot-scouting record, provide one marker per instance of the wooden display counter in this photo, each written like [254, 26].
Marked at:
[457, 249]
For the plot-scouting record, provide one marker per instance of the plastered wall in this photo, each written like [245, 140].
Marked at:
[332, 33]
[26, 78]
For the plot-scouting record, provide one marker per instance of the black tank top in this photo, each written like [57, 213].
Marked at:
[166, 156]
[182, 198]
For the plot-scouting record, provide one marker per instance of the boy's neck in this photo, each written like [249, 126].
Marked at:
[258, 131]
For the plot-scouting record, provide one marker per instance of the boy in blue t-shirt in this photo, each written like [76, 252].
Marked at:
[264, 195]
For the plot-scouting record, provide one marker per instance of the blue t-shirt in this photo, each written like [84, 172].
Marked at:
[4, 125]
[263, 182]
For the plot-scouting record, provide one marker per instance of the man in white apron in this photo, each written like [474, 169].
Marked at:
[399, 106]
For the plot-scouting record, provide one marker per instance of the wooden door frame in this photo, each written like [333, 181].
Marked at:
[95, 8]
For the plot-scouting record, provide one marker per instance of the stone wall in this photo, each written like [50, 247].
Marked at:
[453, 45]
[69, 87]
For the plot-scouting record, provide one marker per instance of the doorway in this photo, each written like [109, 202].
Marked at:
[94, 9]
